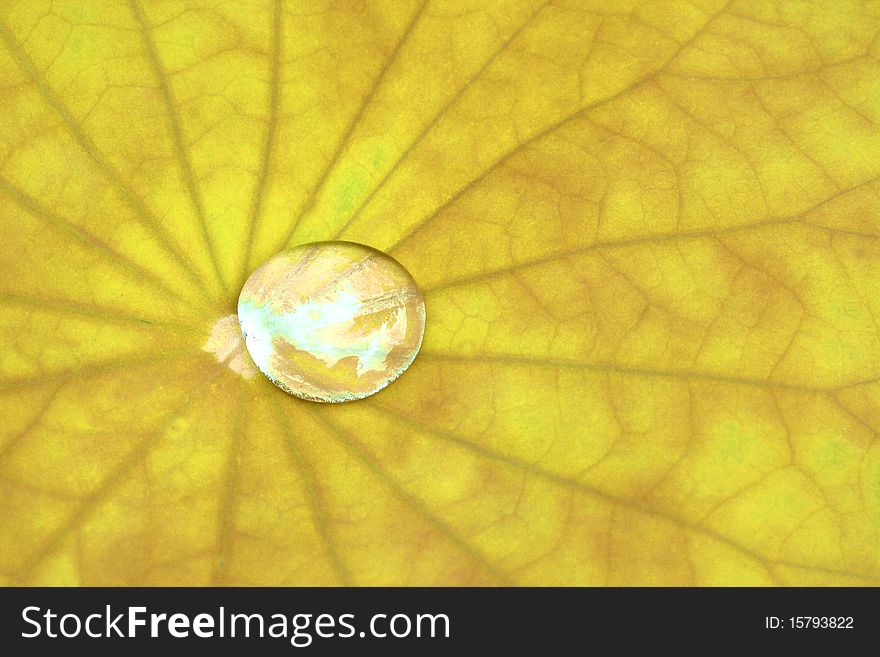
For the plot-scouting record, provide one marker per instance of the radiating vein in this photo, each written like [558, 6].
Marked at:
[268, 140]
[547, 131]
[439, 115]
[574, 487]
[852, 414]
[654, 238]
[614, 368]
[34, 423]
[69, 229]
[229, 491]
[108, 365]
[176, 129]
[581, 487]
[355, 119]
[313, 496]
[89, 311]
[830, 571]
[794, 75]
[116, 476]
[358, 450]
[144, 216]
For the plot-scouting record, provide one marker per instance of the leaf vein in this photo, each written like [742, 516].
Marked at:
[613, 368]
[268, 138]
[437, 117]
[545, 132]
[313, 496]
[583, 488]
[359, 451]
[176, 129]
[116, 476]
[349, 131]
[145, 217]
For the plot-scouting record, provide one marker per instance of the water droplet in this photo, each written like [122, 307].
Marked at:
[332, 321]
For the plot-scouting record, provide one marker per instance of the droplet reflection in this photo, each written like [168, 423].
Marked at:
[332, 321]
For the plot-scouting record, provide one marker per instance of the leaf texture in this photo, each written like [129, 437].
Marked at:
[647, 234]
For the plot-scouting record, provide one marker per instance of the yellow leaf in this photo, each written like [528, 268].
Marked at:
[647, 234]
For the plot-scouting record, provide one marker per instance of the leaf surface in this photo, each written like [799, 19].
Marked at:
[647, 234]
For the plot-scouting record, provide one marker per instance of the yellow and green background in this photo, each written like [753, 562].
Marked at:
[648, 238]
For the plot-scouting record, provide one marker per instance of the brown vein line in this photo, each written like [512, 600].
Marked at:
[30, 205]
[349, 131]
[314, 498]
[107, 366]
[268, 141]
[360, 452]
[581, 487]
[65, 306]
[145, 217]
[815, 71]
[116, 476]
[437, 117]
[838, 194]
[855, 384]
[176, 128]
[801, 218]
[841, 405]
[38, 487]
[147, 571]
[611, 368]
[538, 136]
[656, 238]
[24, 433]
[829, 571]
[226, 524]
[834, 230]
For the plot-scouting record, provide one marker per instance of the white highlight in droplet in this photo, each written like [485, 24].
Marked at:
[331, 321]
